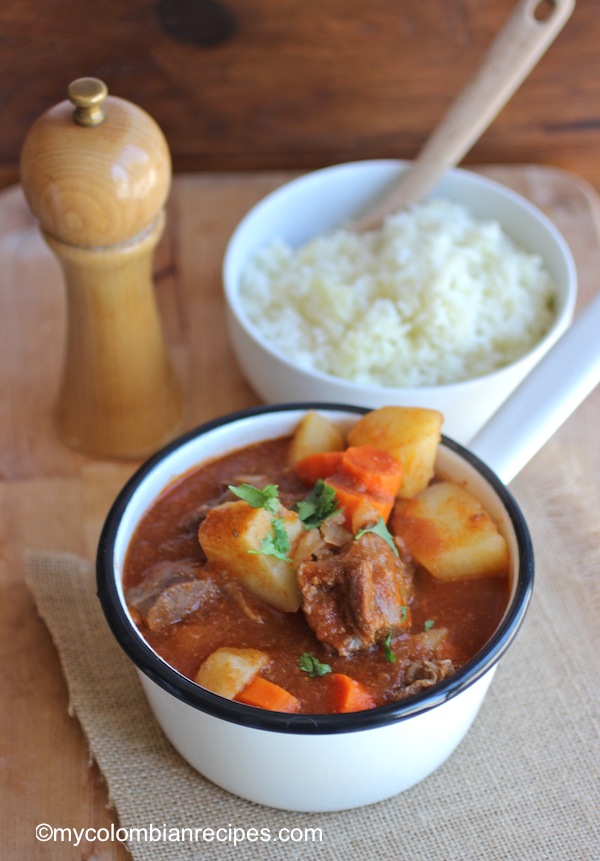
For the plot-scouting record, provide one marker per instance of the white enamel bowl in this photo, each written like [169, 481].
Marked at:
[316, 762]
[323, 200]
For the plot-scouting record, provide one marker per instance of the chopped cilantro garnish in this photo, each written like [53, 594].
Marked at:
[311, 665]
[403, 613]
[380, 529]
[387, 649]
[320, 504]
[267, 497]
[276, 543]
[429, 624]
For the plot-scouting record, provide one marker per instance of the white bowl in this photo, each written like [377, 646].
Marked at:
[323, 200]
[306, 762]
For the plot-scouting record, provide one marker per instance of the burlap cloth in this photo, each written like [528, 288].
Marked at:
[524, 784]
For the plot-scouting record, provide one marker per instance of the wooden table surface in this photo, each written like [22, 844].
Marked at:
[54, 499]
[263, 85]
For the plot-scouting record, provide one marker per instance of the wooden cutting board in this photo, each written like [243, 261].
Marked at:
[54, 499]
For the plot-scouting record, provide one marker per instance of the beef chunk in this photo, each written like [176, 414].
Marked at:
[178, 601]
[355, 598]
[420, 675]
[169, 592]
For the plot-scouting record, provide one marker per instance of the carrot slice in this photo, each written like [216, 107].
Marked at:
[348, 695]
[360, 509]
[372, 470]
[266, 695]
[320, 465]
[365, 479]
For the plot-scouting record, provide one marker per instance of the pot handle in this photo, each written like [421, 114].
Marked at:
[553, 390]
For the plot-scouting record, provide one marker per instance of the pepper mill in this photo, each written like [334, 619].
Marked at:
[96, 172]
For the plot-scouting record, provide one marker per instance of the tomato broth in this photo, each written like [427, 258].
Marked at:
[165, 547]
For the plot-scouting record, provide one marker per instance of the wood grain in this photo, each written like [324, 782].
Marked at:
[293, 84]
[52, 498]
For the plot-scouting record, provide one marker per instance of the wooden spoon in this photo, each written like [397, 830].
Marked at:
[526, 35]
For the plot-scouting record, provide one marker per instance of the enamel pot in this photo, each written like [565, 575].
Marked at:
[334, 762]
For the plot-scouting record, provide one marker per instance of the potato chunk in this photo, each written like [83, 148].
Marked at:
[410, 434]
[232, 535]
[227, 671]
[314, 435]
[448, 532]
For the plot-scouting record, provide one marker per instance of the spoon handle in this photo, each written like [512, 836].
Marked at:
[553, 390]
[514, 52]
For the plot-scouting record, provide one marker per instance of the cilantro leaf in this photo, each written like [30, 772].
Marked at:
[387, 650]
[380, 529]
[429, 624]
[267, 498]
[311, 665]
[276, 543]
[317, 506]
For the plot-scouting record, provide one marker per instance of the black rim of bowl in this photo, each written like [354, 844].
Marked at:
[148, 662]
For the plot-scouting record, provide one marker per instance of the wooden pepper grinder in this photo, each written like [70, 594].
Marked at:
[96, 172]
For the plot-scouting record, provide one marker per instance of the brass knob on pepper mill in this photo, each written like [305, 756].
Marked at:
[96, 172]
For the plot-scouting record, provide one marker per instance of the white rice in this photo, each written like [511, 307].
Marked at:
[434, 296]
